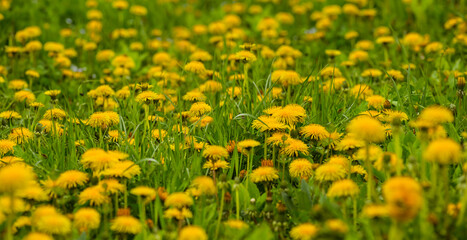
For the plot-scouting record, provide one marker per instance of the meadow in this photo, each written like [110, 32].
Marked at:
[253, 119]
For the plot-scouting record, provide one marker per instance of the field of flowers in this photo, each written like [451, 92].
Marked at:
[254, 119]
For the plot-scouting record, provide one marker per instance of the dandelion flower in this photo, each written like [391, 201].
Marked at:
[177, 213]
[71, 179]
[214, 152]
[293, 147]
[376, 102]
[199, 109]
[267, 123]
[37, 236]
[144, 191]
[122, 169]
[248, 144]
[367, 129]
[103, 119]
[98, 159]
[343, 188]
[330, 172]
[54, 113]
[15, 177]
[10, 115]
[264, 174]
[277, 138]
[304, 231]
[94, 195]
[86, 219]
[301, 168]
[214, 165]
[126, 225]
[6, 146]
[290, 114]
[436, 114]
[112, 186]
[20, 135]
[315, 132]
[236, 224]
[403, 196]
[178, 200]
[443, 151]
[192, 233]
[205, 185]
[53, 224]
[375, 211]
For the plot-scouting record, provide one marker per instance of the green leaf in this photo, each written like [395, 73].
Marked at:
[262, 232]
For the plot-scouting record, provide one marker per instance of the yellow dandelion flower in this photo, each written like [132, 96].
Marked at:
[301, 168]
[195, 67]
[248, 144]
[98, 159]
[290, 114]
[443, 151]
[330, 172]
[436, 114]
[126, 225]
[343, 188]
[178, 200]
[194, 96]
[315, 132]
[122, 169]
[213, 152]
[6, 146]
[144, 192]
[53, 224]
[337, 225]
[112, 186]
[86, 219]
[199, 109]
[216, 164]
[24, 96]
[10, 115]
[403, 196]
[367, 129]
[267, 123]
[37, 236]
[192, 233]
[374, 152]
[103, 119]
[94, 195]
[15, 177]
[71, 179]
[375, 211]
[349, 142]
[304, 231]
[177, 213]
[20, 135]
[294, 147]
[277, 138]
[264, 174]
[205, 185]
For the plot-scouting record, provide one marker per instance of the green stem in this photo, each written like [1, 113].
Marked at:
[370, 174]
[221, 209]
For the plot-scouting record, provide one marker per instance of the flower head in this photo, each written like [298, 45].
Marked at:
[71, 179]
[301, 168]
[367, 129]
[86, 219]
[126, 224]
[443, 151]
[264, 174]
[343, 188]
[304, 231]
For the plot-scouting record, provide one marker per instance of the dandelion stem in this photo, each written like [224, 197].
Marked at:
[221, 209]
